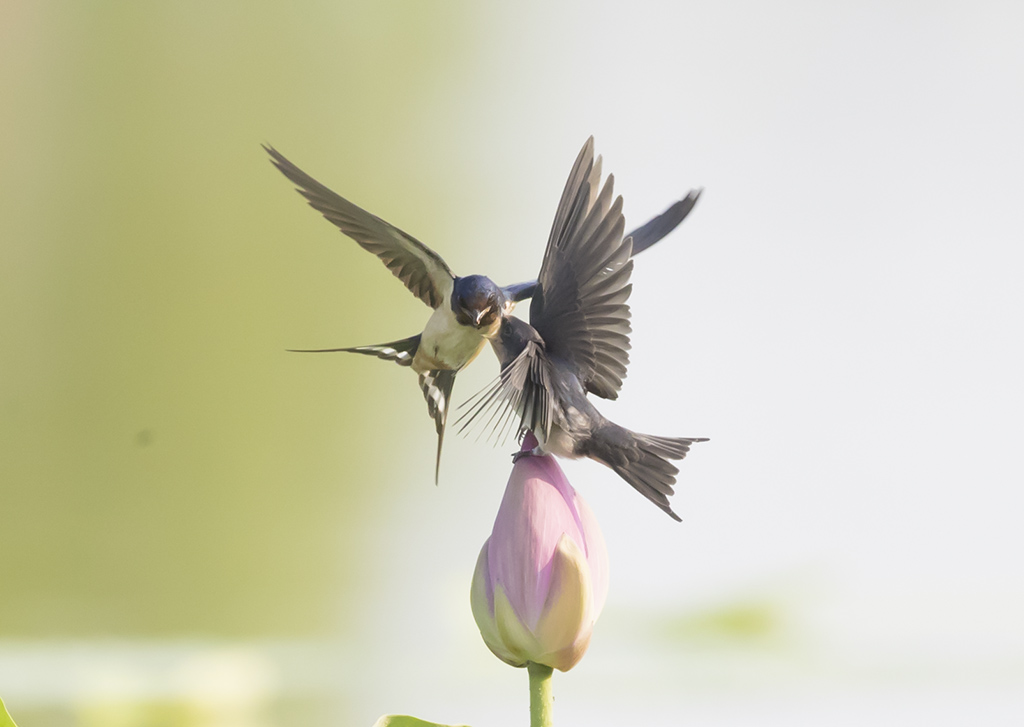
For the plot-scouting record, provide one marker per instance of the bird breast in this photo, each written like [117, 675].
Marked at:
[446, 344]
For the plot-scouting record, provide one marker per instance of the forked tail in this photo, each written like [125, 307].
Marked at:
[643, 461]
[437, 390]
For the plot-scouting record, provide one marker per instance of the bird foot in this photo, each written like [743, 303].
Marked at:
[516, 456]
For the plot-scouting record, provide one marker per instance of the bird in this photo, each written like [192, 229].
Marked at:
[467, 310]
[576, 344]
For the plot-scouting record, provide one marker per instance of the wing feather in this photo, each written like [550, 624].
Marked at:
[578, 313]
[579, 307]
[521, 388]
[643, 237]
[421, 269]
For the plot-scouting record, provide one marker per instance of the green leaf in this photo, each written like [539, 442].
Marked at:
[5, 719]
[401, 720]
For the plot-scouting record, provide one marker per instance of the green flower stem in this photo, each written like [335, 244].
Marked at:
[541, 701]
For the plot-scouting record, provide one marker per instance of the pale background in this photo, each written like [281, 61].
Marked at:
[197, 528]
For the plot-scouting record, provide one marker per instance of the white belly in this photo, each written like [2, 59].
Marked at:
[557, 443]
[445, 345]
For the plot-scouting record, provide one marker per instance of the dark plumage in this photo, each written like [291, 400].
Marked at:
[467, 310]
[576, 343]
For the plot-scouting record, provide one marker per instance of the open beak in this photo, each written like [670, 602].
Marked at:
[476, 319]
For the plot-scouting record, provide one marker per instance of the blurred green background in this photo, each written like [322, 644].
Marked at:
[168, 471]
[200, 529]
[168, 468]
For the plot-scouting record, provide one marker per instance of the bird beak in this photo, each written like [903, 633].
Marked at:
[478, 316]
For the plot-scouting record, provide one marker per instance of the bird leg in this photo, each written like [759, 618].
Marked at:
[535, 452]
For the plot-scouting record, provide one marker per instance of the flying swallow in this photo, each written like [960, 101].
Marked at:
[576, 343]
[467, 310]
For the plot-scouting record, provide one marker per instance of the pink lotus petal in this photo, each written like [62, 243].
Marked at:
[542, 525]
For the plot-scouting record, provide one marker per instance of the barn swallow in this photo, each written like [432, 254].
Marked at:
[467, 310]
[576, 343]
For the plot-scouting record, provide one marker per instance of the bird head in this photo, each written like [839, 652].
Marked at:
[477, 302]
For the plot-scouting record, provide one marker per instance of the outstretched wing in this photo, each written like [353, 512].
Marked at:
[422, 270]
[578, 314]
[644, 237]
[520, 291]
[657, 227]
[579, 307]
[523, 388]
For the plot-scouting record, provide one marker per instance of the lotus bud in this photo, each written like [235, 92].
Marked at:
[542, 577]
